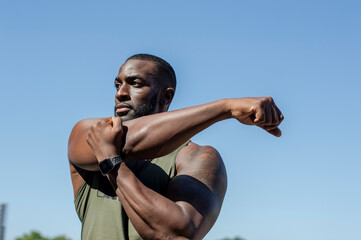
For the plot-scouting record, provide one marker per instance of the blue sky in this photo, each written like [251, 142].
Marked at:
[58, 61]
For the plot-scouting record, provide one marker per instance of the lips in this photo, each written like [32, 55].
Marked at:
[122, 109]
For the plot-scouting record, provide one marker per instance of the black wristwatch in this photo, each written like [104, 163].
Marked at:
[108, 164]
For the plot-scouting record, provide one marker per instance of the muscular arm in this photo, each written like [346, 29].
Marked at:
[159, 134]
[195, 195]
[192, 203]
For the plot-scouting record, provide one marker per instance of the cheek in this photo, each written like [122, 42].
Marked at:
[140, 97]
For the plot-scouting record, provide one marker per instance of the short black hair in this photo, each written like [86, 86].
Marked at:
[164, 69]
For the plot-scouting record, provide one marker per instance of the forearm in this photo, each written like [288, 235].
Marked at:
[159, 134]
[183, 212]
[149, 136]
[149, 211]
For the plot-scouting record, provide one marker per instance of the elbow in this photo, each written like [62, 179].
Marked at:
[179, 230]
[166, 236]
[184, 231]
[187, 231]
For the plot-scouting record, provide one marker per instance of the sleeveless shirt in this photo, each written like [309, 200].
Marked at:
[102, 215]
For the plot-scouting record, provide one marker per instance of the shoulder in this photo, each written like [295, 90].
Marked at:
[83, 124]
[79, 132]
[205, 164]
[195, 155]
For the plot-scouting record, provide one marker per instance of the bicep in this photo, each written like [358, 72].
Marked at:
[186, 191]
[199, 187]
[197, 202]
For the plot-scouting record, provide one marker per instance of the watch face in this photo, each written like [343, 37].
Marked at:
[106, 165]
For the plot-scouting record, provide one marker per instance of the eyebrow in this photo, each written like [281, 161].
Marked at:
[136, 76]
[132, 77]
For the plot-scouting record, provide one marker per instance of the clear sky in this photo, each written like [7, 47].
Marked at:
[58, 60]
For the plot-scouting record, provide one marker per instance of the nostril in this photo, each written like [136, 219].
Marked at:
[122, 98]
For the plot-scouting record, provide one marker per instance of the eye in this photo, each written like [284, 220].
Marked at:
[117, 85]
[137, 83]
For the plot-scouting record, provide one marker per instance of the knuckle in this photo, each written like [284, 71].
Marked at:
[90, 134]
[261, 120]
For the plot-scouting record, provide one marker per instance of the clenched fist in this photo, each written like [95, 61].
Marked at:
[102, 135]
[259, 111]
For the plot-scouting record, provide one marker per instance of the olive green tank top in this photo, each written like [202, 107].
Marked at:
[101, 213]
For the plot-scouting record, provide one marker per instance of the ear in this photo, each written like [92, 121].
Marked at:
[167, 97]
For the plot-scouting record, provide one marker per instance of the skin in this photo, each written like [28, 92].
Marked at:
[195, 208]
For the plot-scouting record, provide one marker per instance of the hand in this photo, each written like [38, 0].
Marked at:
[102, 135]
[259, 111]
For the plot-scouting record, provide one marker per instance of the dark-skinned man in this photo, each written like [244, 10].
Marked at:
[167, 187]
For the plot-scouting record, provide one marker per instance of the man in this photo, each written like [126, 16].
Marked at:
[167, 187]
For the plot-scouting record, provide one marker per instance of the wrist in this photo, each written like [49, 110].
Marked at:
[108, 153]
[236, 107]
[107, 165]
[227, 108]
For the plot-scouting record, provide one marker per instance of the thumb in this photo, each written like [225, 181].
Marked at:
[275, 132]
[117, 123]
[258, 115]
[109, 120]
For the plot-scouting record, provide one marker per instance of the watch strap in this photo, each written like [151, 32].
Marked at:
[108, 164]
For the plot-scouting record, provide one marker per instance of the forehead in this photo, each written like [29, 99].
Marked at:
[144, 68]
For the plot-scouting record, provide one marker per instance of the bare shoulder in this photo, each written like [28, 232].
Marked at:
[79, 130]
[82, 125]
[205, 164]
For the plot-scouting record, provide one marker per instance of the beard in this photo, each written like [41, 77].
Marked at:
[142, 110]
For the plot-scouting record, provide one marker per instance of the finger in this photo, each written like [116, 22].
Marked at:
[278, 111]
[259, 115]
[117, 124]
[268, 127]
[92, 127]
[101, 122]
[275, 132]
[108, 121]
[280, 115]
[276, 118]
[89, 138]
[269, 114]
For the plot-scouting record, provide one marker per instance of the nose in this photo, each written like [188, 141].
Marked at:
[123, 93]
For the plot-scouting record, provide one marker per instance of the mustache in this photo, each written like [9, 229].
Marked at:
[123, 104]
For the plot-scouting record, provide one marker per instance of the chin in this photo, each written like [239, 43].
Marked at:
[126, 117]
